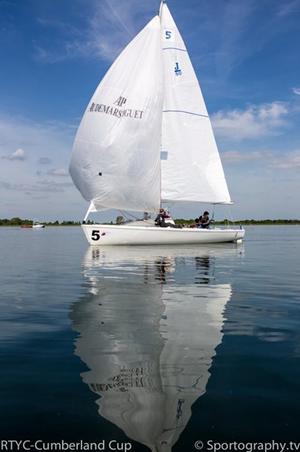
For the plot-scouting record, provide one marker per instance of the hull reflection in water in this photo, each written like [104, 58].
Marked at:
[148, 338]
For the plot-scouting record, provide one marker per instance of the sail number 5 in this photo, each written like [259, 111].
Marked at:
[169, 35]
[95, 235]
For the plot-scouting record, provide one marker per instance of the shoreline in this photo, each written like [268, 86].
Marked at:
[216, 223]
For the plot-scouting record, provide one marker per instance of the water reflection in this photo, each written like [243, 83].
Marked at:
[148, 333]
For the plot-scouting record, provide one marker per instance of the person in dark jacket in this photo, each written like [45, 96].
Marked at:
[204, 220]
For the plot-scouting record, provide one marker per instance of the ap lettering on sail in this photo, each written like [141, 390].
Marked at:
[120, 101]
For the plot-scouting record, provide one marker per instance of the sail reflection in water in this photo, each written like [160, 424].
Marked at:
[147, 338]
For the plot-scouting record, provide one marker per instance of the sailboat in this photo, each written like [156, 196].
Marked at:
[146, 139]
[37, 225]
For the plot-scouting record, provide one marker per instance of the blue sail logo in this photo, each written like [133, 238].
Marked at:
[177, 69]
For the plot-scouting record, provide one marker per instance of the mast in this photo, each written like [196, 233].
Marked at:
[160, 7]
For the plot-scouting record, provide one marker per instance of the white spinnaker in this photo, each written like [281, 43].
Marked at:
[191, 166]
[115, 161]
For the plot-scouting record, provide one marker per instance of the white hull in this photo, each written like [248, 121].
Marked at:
[102, 235]
[38, 226]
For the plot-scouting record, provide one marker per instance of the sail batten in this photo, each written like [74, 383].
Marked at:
[174, 48]
[187, 112]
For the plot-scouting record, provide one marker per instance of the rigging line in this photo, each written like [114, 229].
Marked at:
[213, 212]
[187, 112]
[127, 214]
[230, 215]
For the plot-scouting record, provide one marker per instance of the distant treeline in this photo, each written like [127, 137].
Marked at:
[243, 222]
[16, 221]
[19, 221]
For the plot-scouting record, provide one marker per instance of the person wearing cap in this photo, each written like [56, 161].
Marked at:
[161, 218]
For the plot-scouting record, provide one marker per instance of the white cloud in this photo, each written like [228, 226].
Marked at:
[39, 138]
[288, 7]
[44, 161]
[254, 122]
[290, 160]
[44, 186]
[234, 25]
[19, 154]
[109, 26]
[235, 41]
[267, 159]
[61, 172]
[239, 156]
[56, 172]
[296, 91]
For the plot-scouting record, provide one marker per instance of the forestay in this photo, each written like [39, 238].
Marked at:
[115, 161]
[191, 166]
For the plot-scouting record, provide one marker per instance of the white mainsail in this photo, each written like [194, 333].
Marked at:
[191, 165]
[115, 161]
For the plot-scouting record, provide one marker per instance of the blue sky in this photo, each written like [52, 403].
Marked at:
[245, 53]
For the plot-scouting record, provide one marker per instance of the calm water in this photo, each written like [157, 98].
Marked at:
[156, 347]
